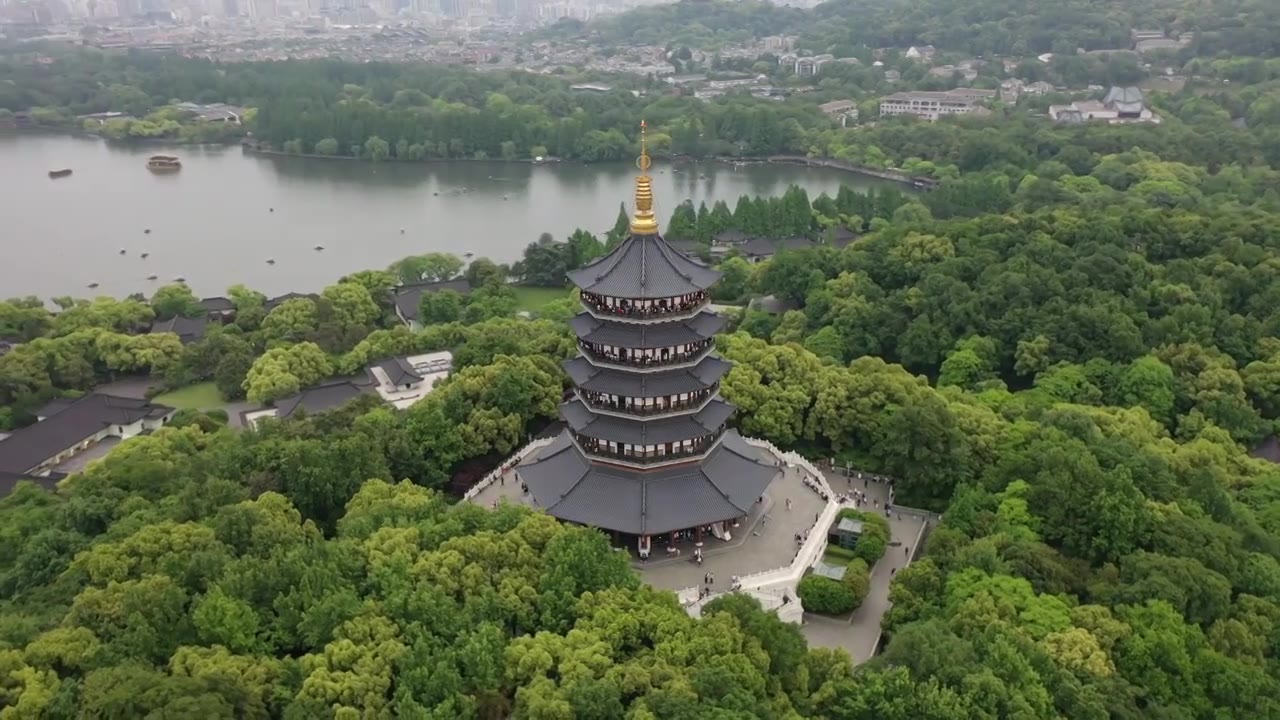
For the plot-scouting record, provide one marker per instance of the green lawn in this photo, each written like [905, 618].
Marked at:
[201, 396]
[531, 299]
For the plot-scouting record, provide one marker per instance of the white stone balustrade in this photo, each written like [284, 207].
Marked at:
[511, 462]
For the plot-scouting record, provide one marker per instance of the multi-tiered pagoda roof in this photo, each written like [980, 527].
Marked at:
[647, 449]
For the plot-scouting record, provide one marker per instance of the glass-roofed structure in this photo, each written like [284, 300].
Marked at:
[646, 450]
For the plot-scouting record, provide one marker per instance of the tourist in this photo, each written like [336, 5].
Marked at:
[788, 503]
[893, 571]
[711, 578]
[906, 550]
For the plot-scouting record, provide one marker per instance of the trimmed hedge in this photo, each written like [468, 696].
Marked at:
[837, 553]
[831, 597]
[824, 595]
[875, 534]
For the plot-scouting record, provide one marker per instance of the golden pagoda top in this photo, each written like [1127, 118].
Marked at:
[643, 221]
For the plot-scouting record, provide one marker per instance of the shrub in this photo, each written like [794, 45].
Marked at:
[875, 535]
[870, 547]
[857, 580]
[824, 595]
[839, 554]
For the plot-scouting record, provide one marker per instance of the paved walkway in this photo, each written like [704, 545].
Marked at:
[767, 541]
[78, 462]
[860, 633]
[764, 542]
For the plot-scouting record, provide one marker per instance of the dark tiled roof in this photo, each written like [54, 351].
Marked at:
[9, 481]
[408, 298]
[644, 266]
[724, 486]
[731, 236]
[761, 247]
[1268, 450]
[55, 406]
[399, 371]
[688, 247]
[654, 384]
[758, 247]
[795, 243]
[217, 304]
[325, 396]
[645, 432]
[273, 303]
[651, 335]
[27, 448]
[843, 236]
[187, 329]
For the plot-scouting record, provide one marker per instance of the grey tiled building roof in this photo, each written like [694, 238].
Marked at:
[723, 486]
[654, 384]
[645, 432]
[325, 396]
[71, 423]
[702, 326]
[644, 267]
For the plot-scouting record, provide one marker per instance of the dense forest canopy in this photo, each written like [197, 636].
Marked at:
[980, 27]
[1068, 348]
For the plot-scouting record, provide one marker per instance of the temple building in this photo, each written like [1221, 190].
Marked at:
[646, 451]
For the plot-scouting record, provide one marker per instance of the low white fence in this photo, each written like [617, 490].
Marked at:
[783, 580]
[794, 459]
[924, 527]
[509, 463]
[788, 576]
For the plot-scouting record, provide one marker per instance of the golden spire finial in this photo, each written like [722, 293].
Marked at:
[643, 221]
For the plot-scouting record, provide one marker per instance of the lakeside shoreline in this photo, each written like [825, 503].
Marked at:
[248, 146]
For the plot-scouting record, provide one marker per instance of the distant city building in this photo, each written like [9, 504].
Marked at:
[217, 112]
[780, 43]
[1121, 105]
[1011, 89]
[922, 52]
[842, 110]
[809, 66]
[933, 105]
[947, 71]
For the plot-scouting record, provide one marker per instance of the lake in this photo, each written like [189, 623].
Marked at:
[218, 221]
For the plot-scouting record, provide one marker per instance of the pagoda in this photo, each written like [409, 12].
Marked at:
[646, 451]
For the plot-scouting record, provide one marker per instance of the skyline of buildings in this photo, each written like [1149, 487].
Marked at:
[195, 12]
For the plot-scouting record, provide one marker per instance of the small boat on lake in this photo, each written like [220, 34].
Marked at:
[164, 163]
[55, 174]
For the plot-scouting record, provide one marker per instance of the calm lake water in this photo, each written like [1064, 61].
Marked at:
[212, 222]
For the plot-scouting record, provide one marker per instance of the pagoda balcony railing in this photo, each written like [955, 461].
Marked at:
[649, 458]
[626, 311]
[644, 363]
[621, 409]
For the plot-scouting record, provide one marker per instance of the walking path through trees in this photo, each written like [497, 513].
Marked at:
[860, 633]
